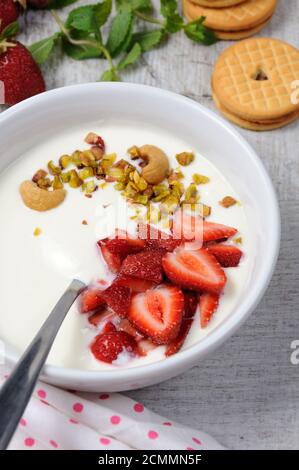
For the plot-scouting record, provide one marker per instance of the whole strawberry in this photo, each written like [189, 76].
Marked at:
[19, 72]
[10, 11]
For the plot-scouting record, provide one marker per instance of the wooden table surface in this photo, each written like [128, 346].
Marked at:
[247, 393]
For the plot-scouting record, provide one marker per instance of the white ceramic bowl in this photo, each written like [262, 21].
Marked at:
[36, 118]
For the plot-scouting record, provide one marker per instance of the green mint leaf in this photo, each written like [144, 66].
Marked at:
[55, 4]
[83, 19]
[132, 56]
[102, 12]
[41, 50]
[10, 31]
[197, 32]
[81, 52]
[110, 75]
[148, 39]
[120, 31]
[174, 21]
[135, 4]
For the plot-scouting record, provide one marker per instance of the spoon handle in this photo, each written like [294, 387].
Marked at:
[18, 388]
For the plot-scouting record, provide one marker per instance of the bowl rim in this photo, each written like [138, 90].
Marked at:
[209, 343]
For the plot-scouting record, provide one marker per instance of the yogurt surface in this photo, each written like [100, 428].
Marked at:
[35, 270]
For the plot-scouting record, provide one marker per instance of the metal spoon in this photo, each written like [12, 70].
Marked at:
[18, 388]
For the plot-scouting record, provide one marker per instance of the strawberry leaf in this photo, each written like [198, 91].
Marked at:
[41, 50]
[10, 31]
[131, 57]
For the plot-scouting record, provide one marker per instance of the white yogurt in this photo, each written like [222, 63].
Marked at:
[34, 271]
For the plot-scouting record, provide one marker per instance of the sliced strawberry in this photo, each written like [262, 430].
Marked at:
[133, 283]
[91, 299]
[175, 345]
[157, 313]
[208, 304]
[100, 316]
[145, 346]
[189, 227]
[118, 298]
[123, 244]
[196, 270]
[156, 239]
[144, 265]
[109, 327]
[107, 346]
[190, 303]
[113, 260]
[227, 255]
[125, 325]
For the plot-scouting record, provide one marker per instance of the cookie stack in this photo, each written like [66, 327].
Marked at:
[231, 19]
[254, 83]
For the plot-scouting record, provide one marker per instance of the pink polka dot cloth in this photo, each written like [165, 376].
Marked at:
[59, 419]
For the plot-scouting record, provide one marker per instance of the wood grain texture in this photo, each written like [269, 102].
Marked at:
[247, 393]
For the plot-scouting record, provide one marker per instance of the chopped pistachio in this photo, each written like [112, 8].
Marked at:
[191, 194]
[204, 210]
[177, 188]
[44, 183]
[130, 190]
[103, 185]
[238, 240]
[134, 152]
[228, 201]
[161, 196]
[160, 189]
[74, 180]
[65, 161]
[87, 158]
[40, 174]
[119, 186]
[76, 158]
[57, 183]
[175, 175]
[108, 160]
[53, 169]
[148, 191]
[89, 187]
[115, 174]
[200, 179]
[37, 232]
[170, 203]
[153, 214]
[86, 172]
[65, 177]
[141, 199]
[97, 152]
[185, 158]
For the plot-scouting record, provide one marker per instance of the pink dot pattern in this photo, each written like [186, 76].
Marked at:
[138, 407]
[78, 407]
[105, 441]
[115, 419]
[29, 442]
[153, 434]
[53, 443]
[41, 393]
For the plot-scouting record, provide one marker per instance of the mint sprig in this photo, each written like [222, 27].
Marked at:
[125, 40]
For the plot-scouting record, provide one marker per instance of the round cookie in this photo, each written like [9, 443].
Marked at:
[255, 125]
[244, 16]
[217, 3]
[253, 79]
[237, 35]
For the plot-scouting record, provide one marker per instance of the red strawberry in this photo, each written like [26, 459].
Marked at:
[9, 12]
[175, 345]
[157, 313]
[196, 270]
[135, 284]
[208, 304]
[189, 228]
[107, 346]
[117, 298]
[227, 255]
[144, 265]
[91, 299]
[156, 239]
[123, 244]
[109, 327]
[190, 303]
[19, 73]
[100, 316]
[125, 325]
[113, 261]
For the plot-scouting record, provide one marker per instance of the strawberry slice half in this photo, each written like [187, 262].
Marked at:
[113, 260]
[118, 298]
[91, 299]
[189, 228]
[133, 283]
[107, 346]
[227, 255]
[123, 244]
[175, 345]
[208, 304]
[144, 265]
[157, 313]
[156, 239]
[195, 270]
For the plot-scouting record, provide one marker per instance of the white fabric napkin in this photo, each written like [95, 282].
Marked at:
[59, 419]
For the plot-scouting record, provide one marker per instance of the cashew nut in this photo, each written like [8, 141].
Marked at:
[157, 164]
[40, 199]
